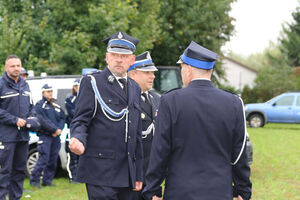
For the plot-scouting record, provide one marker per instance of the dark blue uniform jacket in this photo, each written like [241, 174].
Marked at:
[70, 106]
[15, 102]
[108, 160]
[148, 117]
[54, 114]
[199, 132]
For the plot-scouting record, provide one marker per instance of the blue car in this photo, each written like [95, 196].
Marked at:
[284, 108]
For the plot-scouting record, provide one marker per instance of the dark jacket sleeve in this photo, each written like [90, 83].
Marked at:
[139, 151]
[70, 108]
[83, 111]
[241, 170]
[160, 152]
[62, 119]
[46, 124]
[7, 118]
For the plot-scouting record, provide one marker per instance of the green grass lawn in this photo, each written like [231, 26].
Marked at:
[276, 167]
[275, 170]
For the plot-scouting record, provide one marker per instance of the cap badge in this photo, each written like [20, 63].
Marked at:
[120, 36]
[148, 56]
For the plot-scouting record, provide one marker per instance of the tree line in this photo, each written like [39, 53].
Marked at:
[64, 36]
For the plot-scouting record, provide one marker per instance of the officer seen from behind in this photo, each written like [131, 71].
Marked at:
[200, 138]
[49, 141]
[142, 72]
[15, 107]
[106, 129]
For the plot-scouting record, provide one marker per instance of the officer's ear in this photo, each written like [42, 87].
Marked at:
[132, 59]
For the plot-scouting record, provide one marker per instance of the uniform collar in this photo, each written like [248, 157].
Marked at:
[201, 82]
[10, 79]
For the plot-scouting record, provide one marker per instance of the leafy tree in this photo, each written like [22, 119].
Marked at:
[63, 36]
[203, 21]
[291, 39]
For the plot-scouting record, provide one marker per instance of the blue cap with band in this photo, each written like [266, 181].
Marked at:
[143, 62]
[47, 87]
[198, 56]
[121, 43]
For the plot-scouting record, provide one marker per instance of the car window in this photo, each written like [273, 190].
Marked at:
[298, 101]
[285, 101]
[62, 94]
[166, 79]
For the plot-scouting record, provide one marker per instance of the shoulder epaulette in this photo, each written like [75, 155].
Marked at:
[229, 92]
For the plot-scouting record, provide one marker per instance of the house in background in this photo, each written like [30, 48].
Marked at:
[237, 74]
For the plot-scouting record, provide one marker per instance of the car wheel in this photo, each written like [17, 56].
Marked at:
[256, 120]
[33, 156]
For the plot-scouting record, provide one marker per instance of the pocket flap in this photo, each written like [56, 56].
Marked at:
[102, 154]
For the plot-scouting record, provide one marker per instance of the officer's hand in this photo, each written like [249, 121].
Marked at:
[138, 186]
[58, 132]
[76, 146]
[21, 122]
[156, 198]
[239, 198]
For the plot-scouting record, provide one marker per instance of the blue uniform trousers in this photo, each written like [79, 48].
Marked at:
[48, 148]
[13, 156]
[97, 192]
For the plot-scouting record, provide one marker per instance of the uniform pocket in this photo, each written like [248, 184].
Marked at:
[109, 100]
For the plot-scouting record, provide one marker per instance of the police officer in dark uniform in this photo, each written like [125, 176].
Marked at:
[199, 143]
[106, 128]
[15, 107]
[70, 103]
[49, 142]
[142, 72]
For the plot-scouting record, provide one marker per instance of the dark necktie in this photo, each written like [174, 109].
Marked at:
[147, 102]
[124, 83]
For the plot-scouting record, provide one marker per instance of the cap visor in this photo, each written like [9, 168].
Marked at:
[119, 50]
[147, 69]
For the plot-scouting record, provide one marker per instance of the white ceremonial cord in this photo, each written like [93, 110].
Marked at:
[148, 131]
[245, 135]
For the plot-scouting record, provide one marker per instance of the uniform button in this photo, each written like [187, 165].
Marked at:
[100, 154]
[129, 121]
[129, 137]
[128, 154]
[109, 100]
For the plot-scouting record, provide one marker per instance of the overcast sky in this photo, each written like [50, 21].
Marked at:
[257, 23]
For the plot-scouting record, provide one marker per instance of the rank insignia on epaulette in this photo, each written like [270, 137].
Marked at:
[143, 115]
[111, 78]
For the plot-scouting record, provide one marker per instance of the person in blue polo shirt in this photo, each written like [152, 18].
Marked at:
[106, 128]
[49, 142]
[15, 106]
[200, 137]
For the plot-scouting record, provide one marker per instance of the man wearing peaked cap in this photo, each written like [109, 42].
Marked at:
[106, 128]
[199, 143]
[142, 71]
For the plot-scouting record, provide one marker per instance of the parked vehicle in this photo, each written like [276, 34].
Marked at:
[284, 108]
